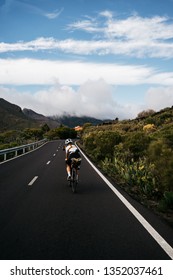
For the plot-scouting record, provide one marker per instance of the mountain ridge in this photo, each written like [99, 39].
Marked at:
[14, 118]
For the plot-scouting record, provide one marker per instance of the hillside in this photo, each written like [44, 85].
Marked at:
[14, 118]
[41, 119]
[138, 155]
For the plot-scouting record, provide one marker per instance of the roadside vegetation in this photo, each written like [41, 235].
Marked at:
[14, 138]
[138, 155]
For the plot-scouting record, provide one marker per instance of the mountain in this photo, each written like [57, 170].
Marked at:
[72, 121]
[14, 118]
[41, 118]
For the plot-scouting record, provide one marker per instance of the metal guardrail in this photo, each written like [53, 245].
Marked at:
[14, 152]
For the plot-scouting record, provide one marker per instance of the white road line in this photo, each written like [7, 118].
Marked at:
[54, 155]
[33, 180]
[48, 162]
[159, 239]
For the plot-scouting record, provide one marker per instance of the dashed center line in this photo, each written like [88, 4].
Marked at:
[48, 162]
[33, 180]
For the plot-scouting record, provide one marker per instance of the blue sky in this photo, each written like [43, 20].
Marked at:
[103, 58]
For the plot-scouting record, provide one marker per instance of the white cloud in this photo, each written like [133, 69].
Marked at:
[140, 29]
[53, 14]
[28, 7]
[107, 14]
[158, 98]
[165, 78]
[93, 98]
[46, 72]
[135, 47]
[133, 36]
[87, 25]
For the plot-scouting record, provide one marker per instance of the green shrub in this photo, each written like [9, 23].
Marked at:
[167, 202]
[101, 144]
[161, 155]
[137, 143]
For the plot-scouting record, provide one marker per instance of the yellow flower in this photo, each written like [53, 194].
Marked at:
[141, 167]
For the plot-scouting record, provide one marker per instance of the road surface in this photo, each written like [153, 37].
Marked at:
[40, 217]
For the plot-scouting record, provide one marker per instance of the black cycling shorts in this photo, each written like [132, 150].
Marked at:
[72, 155]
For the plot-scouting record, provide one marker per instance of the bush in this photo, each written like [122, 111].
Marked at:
[101, 144]
[167, 202]
[161, 155]
[137, 143]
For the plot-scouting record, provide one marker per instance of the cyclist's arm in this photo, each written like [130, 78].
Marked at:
[66, 154]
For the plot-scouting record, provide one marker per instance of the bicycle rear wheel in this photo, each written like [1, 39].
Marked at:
[74, 180]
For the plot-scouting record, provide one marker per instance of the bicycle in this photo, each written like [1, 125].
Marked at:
[73, 182]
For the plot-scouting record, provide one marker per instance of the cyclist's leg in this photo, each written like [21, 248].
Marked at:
[68, 171]
[68, 168]
[78, 167]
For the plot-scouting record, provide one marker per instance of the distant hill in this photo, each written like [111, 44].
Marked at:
[14, 118]
[72, 121]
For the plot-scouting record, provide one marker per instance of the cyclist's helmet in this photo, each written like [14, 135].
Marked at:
[68, 141]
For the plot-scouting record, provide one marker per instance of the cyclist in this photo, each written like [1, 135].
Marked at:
[71, 152]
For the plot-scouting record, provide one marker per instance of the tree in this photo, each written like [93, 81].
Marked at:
[146, 113]
[45, 128]
[32, 133]
[61, 132]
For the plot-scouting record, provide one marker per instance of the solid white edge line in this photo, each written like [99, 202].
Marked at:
[33, 180]
[160, 240]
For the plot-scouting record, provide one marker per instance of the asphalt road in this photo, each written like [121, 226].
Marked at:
[40, 217]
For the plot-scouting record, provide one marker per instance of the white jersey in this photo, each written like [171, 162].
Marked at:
[70, 149]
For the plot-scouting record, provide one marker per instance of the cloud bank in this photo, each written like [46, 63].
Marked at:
[159, 97]
[45, 72]
[93, 98]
